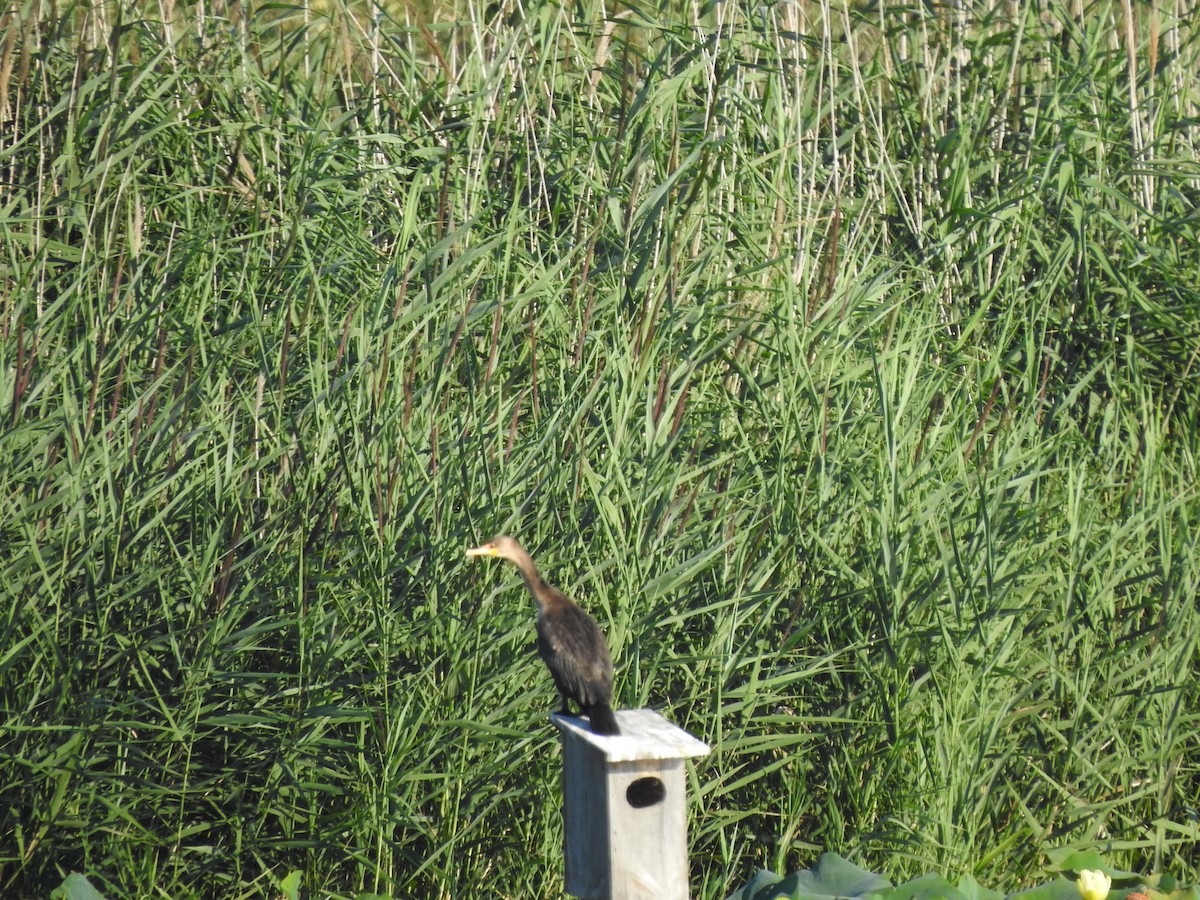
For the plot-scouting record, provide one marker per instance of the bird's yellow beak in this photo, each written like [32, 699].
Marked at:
[485, 550]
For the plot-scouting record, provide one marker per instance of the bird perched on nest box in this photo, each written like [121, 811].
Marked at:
[569, 640]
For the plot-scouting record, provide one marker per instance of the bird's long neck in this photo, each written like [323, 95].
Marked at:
[544, 595]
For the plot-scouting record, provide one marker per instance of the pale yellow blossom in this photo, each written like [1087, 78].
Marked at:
[1093, 884]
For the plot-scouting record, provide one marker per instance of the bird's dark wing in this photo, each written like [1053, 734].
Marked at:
[574, 650]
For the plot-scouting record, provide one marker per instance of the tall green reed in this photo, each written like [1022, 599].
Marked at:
[840, 361]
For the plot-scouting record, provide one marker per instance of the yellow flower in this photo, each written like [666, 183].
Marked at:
[1093, 884]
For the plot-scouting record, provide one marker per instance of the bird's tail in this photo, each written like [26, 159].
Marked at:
[603, 720]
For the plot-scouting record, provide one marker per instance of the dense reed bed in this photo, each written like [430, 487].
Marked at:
[840, 359]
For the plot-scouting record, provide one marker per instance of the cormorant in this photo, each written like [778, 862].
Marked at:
[569, 640]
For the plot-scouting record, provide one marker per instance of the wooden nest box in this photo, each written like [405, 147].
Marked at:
[624, 814]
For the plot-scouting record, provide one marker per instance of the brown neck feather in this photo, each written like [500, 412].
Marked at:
[544, 594]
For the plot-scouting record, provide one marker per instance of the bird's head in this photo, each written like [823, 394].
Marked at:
[502, 546]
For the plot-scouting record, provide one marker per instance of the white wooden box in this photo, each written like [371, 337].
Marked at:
[624, 811]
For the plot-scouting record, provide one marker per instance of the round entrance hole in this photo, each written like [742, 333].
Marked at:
[645, 792]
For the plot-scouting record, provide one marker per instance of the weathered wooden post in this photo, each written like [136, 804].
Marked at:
[624, 815]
